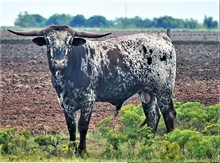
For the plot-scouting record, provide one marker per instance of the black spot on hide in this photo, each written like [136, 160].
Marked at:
[151, 51]
[115, 60]
[114, 55]
[145, 50]
[171, 55]
[163, 58]
[149, 60]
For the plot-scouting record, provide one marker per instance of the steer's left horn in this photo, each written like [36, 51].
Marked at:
[28, 33]
[89, 34]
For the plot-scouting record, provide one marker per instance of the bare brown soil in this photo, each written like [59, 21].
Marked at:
[28, 100]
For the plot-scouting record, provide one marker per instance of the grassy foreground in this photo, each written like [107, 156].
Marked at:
[195, 139]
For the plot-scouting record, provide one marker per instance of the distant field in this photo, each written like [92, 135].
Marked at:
[176, 34]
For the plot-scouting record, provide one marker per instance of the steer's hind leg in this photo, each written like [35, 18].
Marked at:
[165, 103]
[151, 110]
[83, 126]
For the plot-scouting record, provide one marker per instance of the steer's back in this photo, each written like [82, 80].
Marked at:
[127, 64]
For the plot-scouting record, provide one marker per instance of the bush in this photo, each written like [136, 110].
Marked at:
[17, 146]
[191, 114]
[169, 150]
[189, 142]
[195, 145]
[186, 142]
[127, 137]
[195, 116]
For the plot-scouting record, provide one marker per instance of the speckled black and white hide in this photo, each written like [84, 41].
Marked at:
[84, 72]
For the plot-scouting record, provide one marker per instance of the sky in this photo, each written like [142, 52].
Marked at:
[111, 9]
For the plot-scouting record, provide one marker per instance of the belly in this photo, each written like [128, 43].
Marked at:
[116, 92]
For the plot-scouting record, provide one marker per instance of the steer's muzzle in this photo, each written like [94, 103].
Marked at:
[59, 63]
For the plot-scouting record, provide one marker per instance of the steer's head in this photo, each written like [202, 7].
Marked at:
[59, 41]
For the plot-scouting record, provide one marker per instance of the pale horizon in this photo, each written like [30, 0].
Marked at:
[111, 9]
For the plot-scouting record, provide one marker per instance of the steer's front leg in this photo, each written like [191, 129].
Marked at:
[71, 124]
[83, 126]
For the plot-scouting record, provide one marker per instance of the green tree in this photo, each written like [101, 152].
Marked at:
[29, 20]
[147, 23]
[167, 22]
[208, 22]
[97, 21]
[59, 19]
[78, 21]
[137, 22]
[191, 23]
[122, 22]
[39, 20]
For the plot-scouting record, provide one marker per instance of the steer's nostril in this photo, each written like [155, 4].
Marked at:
[59, 64]
[59, 61]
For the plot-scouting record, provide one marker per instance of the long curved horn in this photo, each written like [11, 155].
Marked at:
[39, 32]
[28, 33]
[88, 34]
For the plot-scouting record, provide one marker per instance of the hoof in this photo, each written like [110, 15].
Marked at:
[72, 145]
[72, 148]
[81, 153]
[143, 123]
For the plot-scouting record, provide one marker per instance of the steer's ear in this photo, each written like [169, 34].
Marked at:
[40, 41]
[78, 41]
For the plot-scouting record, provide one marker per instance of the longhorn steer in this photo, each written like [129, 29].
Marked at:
[113, 70]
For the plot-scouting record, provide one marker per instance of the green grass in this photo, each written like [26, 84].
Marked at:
[196, 138]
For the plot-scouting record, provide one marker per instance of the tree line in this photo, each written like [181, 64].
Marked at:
[35, 20]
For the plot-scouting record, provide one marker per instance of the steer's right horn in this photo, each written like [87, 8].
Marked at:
[28, 33]
[39, 32]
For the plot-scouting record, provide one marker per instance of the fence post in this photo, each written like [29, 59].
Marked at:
[168, 32]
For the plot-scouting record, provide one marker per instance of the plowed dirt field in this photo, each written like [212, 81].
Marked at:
[28, 100]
